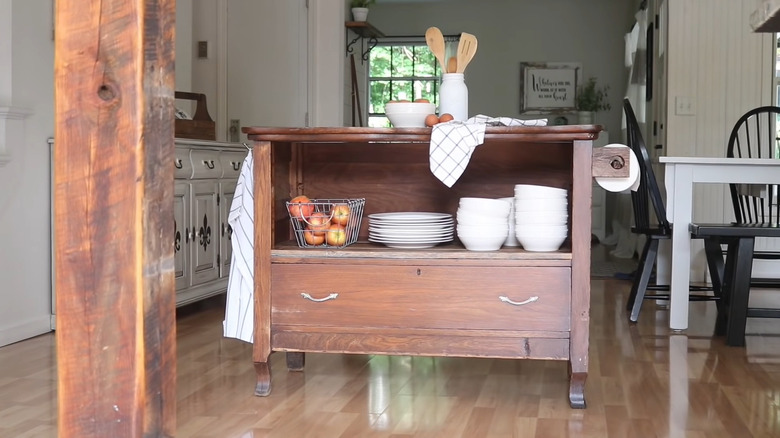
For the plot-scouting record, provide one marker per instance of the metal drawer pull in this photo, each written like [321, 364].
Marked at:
[515, 303]
[209, 164]
[236, 165]
[178, 164]
[332, 296]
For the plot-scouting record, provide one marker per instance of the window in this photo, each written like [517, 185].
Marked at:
[400, 70]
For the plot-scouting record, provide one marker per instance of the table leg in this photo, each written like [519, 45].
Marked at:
[682, 209]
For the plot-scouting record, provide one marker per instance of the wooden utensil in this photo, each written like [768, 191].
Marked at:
[467, 47]
[452, 65]
[435, 41]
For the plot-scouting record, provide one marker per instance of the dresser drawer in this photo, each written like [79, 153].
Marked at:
[182, 164]
[231, 163]
[435, 297]
[205, 164]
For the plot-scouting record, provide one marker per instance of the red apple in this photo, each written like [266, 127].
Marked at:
[340, 214]
[318, 223]
[336, 235]
[313, 239]
[301, 207]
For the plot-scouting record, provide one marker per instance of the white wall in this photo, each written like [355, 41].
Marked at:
[513, 31]
[25, 287]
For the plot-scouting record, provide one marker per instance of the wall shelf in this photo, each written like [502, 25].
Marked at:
[363, 31]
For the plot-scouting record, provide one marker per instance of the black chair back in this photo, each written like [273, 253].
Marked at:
[648, 193]
[755, 136]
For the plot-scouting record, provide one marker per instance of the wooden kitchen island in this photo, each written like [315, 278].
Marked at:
[441, 301]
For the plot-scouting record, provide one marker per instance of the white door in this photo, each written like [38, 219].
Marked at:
[267, 62]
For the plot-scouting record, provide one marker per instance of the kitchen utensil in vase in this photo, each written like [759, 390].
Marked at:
[467, 47]
[435, 41]
[452, 65]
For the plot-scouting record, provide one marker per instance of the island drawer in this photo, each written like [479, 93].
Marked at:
[435, 297]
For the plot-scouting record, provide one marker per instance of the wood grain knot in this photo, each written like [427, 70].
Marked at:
[617, 163]
[106, 93]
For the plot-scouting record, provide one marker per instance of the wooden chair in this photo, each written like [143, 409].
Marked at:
[648, 194]
[755, 136]
[756, 215]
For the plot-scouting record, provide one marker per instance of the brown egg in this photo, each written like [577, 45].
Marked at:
[446, 117]
[431, 120]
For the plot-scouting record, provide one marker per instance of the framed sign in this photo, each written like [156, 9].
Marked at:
[548, 87]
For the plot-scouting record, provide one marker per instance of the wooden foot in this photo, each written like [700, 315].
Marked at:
[263, 371]
[577, 390]
[295, 360]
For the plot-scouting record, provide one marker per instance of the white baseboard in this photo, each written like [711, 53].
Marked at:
[24, 330]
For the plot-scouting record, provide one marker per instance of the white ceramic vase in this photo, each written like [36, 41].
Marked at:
[359, 14]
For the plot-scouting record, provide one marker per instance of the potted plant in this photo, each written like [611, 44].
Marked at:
[360, 9]
[590, 98]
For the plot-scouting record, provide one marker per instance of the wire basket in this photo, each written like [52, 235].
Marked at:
[326, 223]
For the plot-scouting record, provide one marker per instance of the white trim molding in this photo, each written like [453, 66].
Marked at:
[11, 129]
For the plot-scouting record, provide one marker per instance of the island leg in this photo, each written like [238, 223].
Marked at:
[577, 390]
[263, 372]
[296, 360]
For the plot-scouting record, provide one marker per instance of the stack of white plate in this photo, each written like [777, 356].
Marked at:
[541, 217]
[483, 223]
[410, 229]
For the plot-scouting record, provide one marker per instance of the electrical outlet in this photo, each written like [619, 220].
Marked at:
[684, 106]
[235, 129]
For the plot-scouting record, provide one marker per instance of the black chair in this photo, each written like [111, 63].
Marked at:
[648, 194]
[755, 136]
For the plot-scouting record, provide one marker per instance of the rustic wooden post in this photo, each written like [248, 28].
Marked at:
[114, 117]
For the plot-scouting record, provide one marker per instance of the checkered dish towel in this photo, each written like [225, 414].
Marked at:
[452, 143]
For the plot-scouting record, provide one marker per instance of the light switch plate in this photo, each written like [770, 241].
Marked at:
[203, 49]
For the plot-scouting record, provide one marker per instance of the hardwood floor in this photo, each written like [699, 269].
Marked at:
[644, 381]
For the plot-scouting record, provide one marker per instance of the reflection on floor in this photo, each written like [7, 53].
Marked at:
[644, 381]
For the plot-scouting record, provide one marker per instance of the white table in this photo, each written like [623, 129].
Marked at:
[681, 174]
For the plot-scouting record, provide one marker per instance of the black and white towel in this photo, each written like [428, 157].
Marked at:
[239, 309]
[452, 143]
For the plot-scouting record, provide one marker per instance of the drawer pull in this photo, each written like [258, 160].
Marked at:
[332, 296]
[515, 303]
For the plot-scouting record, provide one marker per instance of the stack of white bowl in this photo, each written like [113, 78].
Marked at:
[483, 223]
[541, 217]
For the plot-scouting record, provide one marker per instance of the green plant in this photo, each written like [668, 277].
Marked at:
[362, 3]
[591, 98]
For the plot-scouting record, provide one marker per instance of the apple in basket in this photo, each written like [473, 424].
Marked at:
[336, 235]
[301, 207]
[340, 214]
[313, 239]
[318, 223]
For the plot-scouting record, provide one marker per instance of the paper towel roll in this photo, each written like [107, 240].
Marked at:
[622, 184]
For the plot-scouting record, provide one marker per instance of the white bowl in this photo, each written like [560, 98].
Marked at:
[541, 230]
[542, 204]
[487, 206]
[540, 244]
[537, 191]
[475, 217]
[409, 114]
[482, 243]
[483, 230]
[541, 217]
[511, 238]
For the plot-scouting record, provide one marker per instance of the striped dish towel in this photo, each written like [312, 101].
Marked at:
[452, 143]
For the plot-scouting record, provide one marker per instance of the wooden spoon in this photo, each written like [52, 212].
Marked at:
[467, 47]
[452, 65]
[435, 41]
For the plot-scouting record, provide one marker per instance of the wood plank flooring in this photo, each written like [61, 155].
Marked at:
[644, 381]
